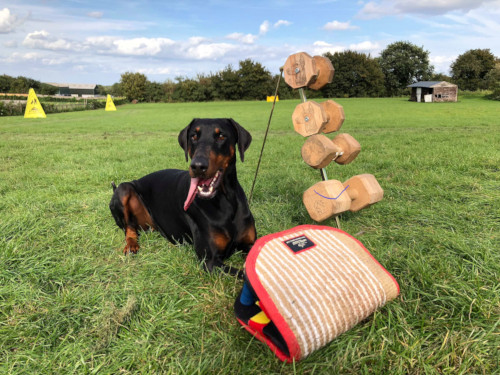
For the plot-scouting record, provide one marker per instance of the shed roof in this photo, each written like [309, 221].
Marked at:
[430, 84]
[91, 86]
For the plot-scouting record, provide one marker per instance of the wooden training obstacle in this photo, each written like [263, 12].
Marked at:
[329, 197]
[302, 70]
[312, 118]
[318, 151]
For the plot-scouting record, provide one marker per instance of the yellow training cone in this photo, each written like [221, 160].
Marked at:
[110, 106]
[33, 107]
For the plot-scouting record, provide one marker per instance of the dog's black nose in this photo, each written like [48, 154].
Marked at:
[199, 166]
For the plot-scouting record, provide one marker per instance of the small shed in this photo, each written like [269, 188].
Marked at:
[433, 91]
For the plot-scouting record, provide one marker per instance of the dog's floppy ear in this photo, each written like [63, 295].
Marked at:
[183, 138]
[244, 138]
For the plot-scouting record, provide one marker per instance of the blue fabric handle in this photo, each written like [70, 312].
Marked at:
[247, 298]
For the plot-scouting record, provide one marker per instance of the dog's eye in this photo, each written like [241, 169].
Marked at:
[221, 137]
[194, 137]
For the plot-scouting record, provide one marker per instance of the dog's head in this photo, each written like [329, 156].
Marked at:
[211, 145]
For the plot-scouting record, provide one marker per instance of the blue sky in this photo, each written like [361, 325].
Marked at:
[92, 41]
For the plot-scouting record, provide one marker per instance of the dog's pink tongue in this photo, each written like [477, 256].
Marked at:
[192, 193]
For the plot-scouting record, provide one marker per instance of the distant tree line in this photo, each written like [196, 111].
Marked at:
[356, 75]
[251, 81]
[21, 85]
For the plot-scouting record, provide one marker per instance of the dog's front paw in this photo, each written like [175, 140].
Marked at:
[131, 247]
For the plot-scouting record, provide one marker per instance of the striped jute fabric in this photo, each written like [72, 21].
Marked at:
[319, 290]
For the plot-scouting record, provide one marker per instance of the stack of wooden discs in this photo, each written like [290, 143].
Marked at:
[312, 120]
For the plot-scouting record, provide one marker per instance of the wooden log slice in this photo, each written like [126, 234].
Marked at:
[318, 151]
[326, 199]
[335, 116]
[299, 70]
[349, 146]
[364, 190]
[325, 72]
[308, 118]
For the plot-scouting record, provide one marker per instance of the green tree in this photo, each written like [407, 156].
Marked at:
[154, 92]
[46, 89]
[227, 84]
[441, 77]
[493, 81]
[190, 90]
[492, 78]
[404, 63]
[101, 90]
[256, 81]
[5, 83]
[193, 90]
[169, 89]
[470, 69]
[356, 75]
[133, 86]
[115, 89]
[21, 85]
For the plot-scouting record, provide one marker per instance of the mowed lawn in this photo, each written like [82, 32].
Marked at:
[71, 302]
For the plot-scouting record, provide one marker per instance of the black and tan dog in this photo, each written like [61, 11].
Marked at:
[205, 206]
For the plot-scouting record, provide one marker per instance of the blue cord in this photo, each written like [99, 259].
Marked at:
[332, 198]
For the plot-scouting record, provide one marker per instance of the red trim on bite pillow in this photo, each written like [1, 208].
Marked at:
[266, 303]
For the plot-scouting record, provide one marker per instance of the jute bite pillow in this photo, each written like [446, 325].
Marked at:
[307, 285]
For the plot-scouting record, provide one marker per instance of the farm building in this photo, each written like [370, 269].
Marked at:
[75, 89]
[433, 91]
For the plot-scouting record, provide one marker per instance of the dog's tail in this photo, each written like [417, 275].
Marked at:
[113, 185]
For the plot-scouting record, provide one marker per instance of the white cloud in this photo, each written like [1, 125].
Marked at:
[8, 21]
[56, 61]
[197, 48]
[95, 14]
[10, 44]
[483, 22]
[381, 8]
[142, 46]
[442, 63]
[153, 71]
[194, 40]
[438, 6]
[365, 46]
[194, 48]
[210, 51]
[336, 25]
[282, 23]
[43, 40]
[320, 47]
[243, 38]
[100, 42]
[264, 27]
[17, 57]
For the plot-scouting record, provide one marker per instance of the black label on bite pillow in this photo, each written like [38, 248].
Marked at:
[300, 243]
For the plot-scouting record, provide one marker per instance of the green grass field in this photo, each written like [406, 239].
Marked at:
[70, 302]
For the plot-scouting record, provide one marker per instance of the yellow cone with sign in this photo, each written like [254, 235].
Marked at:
[33, 107]
[110, 106]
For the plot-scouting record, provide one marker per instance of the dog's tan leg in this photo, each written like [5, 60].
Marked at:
[136, 217]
